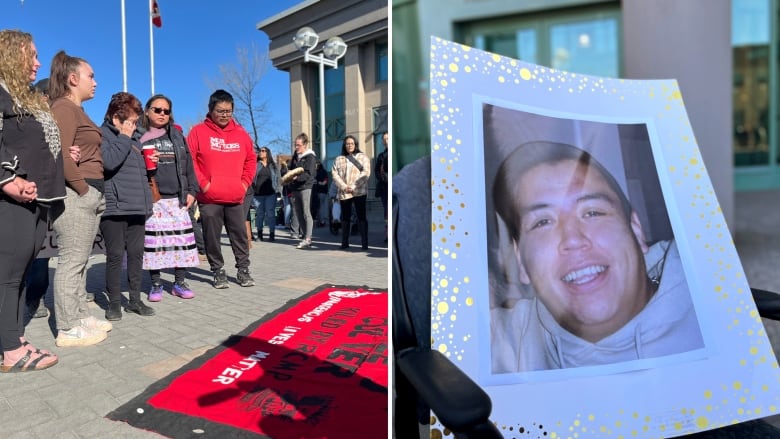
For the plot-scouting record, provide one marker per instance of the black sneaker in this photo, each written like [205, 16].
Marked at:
[39, 312]
[220, 279]
[139, 308]
[114, 312]
[244, 278]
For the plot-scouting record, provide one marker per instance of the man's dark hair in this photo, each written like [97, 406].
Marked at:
[42, 86]
[219, 96]
[530, 155]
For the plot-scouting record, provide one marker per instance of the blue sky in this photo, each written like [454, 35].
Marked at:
[195, 38]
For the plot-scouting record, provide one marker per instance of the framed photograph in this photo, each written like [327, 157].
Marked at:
[579, 239]
[583, 273]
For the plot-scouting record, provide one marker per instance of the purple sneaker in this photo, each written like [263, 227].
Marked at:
[155, 295]
[182, 290]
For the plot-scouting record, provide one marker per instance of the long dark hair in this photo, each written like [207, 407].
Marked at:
[149, 105]
[268, 154]
[62, 65]
[344, 146]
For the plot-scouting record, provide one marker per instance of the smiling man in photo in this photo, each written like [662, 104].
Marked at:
[602, 294]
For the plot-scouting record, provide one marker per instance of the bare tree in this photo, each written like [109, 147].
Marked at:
[242, 79]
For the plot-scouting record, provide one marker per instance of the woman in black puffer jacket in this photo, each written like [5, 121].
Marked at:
[128, 203]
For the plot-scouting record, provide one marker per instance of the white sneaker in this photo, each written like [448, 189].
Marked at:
[95, 323]
[79, 336]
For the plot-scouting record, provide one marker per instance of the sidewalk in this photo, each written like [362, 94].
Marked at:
[71, 399]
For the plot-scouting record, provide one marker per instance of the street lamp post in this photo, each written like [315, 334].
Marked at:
[306, 40]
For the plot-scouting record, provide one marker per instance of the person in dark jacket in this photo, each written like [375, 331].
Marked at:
[31, 178]
[170, 241]
[36, 281]
[301, 186]
[128, 203]
[381, 171]
[321, 194]
[266, 188]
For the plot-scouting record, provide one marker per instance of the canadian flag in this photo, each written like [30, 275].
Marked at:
[156, 18]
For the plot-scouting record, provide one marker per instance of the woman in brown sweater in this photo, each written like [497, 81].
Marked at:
[72, 81]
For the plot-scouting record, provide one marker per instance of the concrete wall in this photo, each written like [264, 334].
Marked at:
[362, 95]
[300, 112]
[690, 41]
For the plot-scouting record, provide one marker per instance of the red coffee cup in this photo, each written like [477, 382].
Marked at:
[148, 151]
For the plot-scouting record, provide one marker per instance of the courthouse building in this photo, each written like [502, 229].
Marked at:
[356, 92]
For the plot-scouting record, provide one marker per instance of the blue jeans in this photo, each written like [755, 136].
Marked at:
[287, 210]
[265, 206]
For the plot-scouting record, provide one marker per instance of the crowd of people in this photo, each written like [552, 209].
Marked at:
[159, 199]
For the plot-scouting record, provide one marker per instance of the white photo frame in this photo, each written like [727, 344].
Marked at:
[483, 106]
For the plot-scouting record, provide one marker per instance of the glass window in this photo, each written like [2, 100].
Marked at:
[749, 22]
[583, 40]
[334, 105]
[333, 151]
[381, 62]
[502, 43]
[380, 126]
[586, 46]
[526, 45]
[334, 80]
[335, 120]
[751, 96]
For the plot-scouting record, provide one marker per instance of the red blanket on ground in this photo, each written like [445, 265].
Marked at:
[315, 369]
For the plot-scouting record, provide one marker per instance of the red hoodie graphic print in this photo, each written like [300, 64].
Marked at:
[224, 161]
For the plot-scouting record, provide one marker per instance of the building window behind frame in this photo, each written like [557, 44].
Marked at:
[582, 40]
[751, 45]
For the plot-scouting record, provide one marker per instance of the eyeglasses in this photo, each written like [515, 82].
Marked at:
[165, 111]
[224, 112]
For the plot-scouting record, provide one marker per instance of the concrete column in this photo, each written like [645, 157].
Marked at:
[690, 41]
[300, 102]
[353, 94]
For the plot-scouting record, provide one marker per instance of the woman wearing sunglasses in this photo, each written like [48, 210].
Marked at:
[169, 241]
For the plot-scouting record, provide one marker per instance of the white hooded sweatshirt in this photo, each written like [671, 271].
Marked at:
[526, 337]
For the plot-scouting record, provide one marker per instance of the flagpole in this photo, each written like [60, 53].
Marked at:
[151, 42]
[124, 50]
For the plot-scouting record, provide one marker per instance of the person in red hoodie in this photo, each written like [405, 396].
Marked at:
[225, 164]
